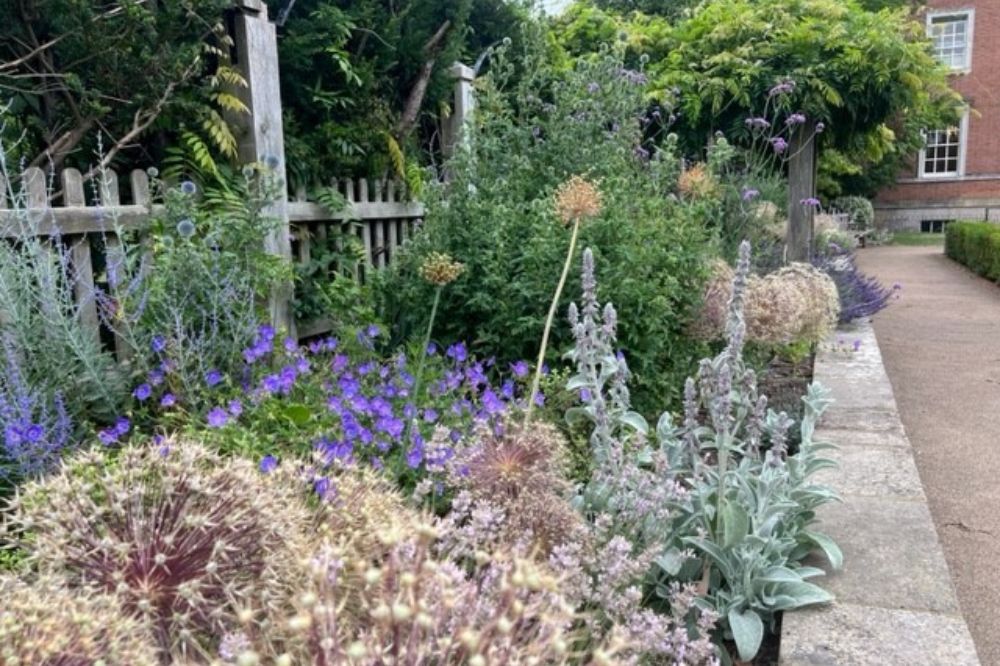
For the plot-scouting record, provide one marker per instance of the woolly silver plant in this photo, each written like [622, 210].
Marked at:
[732, 509]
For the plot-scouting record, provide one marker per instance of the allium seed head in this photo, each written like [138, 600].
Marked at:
[577, 199]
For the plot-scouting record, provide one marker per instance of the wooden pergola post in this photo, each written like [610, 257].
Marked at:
[262, 136]
[801, 186]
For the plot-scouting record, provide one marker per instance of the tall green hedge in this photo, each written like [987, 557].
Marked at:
[975, 245]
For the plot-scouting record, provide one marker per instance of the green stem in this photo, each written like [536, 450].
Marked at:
[536, 382]
[418, 380]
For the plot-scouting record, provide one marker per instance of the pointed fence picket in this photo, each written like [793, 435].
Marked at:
[89, 227]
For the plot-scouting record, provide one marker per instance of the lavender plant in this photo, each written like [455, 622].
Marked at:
[36, 428]
[860, 295]
[718, 497]
[41, 318]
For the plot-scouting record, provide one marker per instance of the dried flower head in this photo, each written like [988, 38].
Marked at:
[175, 532]
[698, 182]
[577, 199]
[415, 607]
[517, 469]
[440, 269]
[43, 623]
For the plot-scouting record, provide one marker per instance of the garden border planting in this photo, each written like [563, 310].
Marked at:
[895, 600]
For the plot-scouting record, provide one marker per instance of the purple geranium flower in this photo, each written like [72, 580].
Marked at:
[268, 464]
[168, 400]
[122, 426]
[235, 407]
[520, 368]
[458, 352]
[159, 344]
[217, 417]
[142, 392]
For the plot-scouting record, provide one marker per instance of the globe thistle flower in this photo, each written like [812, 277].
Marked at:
[577, 199]
[440, 269]
[188, 187]
[185, 228]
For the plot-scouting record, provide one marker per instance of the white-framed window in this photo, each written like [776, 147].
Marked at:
[951, 35]
[943, 154]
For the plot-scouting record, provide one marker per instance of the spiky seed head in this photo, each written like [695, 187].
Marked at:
[577, 199]
[440, 269]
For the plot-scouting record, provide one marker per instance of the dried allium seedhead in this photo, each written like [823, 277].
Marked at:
[577, 199]
[418, 608]
[519, 471]
[175, 532]
[820, 294]
[440, 269]
[698, 182]
[43, 623]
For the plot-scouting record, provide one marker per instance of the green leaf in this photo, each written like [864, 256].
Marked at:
[636, 421]
[671, 561]
[735, 524]
[802, 594]
[748, 632]
[828, 546]
[299, 415]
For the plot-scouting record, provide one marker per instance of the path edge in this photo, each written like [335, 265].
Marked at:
[895, 602]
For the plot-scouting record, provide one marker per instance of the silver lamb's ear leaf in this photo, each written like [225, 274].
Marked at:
[748, 632]
[636, 421]
[828, 546]
[735, 524]
[671, 561]
[802, 594]
[576, 382]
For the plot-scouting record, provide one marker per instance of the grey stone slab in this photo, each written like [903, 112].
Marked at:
[890, 439]
[892, 557]
[872, 420]
[865, 471]
[852, 635]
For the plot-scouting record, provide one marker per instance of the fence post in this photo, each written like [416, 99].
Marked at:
[462, 106]
[256, 58]
[801, 186]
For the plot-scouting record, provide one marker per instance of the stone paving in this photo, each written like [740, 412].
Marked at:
[895, 604]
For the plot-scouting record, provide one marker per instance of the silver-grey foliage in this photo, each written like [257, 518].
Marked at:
[717, 490]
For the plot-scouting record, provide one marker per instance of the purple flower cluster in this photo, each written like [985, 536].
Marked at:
[757, 123]
[783, 88]
[860, 295]
[36, 431]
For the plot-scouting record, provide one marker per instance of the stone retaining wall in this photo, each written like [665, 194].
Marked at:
[895, 602]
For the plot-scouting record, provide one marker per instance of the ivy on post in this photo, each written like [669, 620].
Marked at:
[256, 56]
[801, 188]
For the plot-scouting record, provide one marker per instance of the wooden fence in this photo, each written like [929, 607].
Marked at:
[376, 211]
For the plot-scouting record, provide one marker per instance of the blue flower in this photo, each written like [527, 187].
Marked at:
[520, 369]
[414, 457]
[430, 415]
[185, 228]
[458, 352]
[187, 187]
[217, 417]
[432, 349]
[107, 437]
[266, 332]
[749, 194]
[168, 400]
[159, 344]
[213, 377]
[122, 426]
[491, 403]
[155, 377]
[34, 433]
[272, 384]
[291, 345]
[142, 392]
[235, 407]
[268, 464]
[322, 487]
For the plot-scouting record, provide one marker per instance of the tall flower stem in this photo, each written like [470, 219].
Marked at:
[536, 382]
[419, 379]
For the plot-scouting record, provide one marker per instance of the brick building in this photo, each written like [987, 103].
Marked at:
[957, 175]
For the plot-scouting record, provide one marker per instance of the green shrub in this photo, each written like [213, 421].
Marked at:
[975, 245]
[495, 214]
[860, 210]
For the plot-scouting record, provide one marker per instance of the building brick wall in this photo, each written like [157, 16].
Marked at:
[979, 189]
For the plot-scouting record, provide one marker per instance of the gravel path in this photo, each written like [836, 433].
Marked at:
[941, 346]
